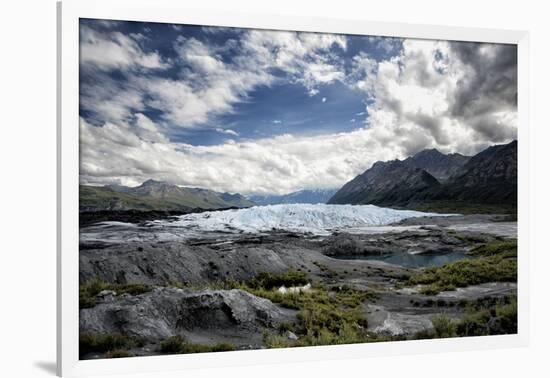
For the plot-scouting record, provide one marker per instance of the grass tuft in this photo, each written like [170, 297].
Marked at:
[118, 353]
[89, 290]
[178, 345]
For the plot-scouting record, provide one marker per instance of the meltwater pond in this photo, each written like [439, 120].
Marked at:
[410, 260]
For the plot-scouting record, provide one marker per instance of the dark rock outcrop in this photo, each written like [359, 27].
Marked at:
[166, 312]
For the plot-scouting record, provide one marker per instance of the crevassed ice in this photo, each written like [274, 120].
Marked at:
[295, 217]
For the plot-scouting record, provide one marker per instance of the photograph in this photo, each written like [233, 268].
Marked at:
[247, 189]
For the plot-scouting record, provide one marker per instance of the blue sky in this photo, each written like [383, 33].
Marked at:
[282, 107]
[260, 111]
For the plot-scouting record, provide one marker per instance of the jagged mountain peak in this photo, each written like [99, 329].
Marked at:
[441, 166]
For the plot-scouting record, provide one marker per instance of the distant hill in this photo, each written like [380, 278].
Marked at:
[440, 166]
[432, 180]
[156, 195]
[303, 196]
[392, 183]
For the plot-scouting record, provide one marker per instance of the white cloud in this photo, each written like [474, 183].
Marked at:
[281, 164]
[114, 50]
[305, 56]
[227, 131]
[277, 121]
[207, 86]
[410, 102]
[412, 97]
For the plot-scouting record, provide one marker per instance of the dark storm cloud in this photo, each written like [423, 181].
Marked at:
[430, 124]
[489, 85]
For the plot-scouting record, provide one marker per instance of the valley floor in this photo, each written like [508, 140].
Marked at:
[144, 292]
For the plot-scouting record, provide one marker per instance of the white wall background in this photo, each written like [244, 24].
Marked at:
[27, 187]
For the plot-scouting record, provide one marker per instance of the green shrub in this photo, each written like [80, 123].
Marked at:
[444, 326]
[285, 326]
[474, 323]
[278, 341]
[508, 312]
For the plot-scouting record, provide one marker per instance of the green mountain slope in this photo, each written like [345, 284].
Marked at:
[156, 195]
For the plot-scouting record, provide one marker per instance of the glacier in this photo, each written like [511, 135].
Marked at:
[303, 218]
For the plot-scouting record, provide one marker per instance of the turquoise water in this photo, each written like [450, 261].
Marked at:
[408, 260]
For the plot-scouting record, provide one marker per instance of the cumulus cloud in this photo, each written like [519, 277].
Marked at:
[454, 96]
[305, 56]
[457, 97]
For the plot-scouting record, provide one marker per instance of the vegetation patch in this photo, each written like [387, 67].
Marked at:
[178, 345]
[506, 248]
[493, 262]
[444, 327]
[119, 353]
[498, 319]
[326, 315]
[89, 290]
[105, 343]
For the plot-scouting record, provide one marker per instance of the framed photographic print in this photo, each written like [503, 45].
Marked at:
[264, 188]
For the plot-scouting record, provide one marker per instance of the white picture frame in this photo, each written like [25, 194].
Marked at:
[169, 11]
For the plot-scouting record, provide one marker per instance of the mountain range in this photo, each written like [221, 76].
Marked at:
[156, 195]
[312, 196]
[430, 178]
